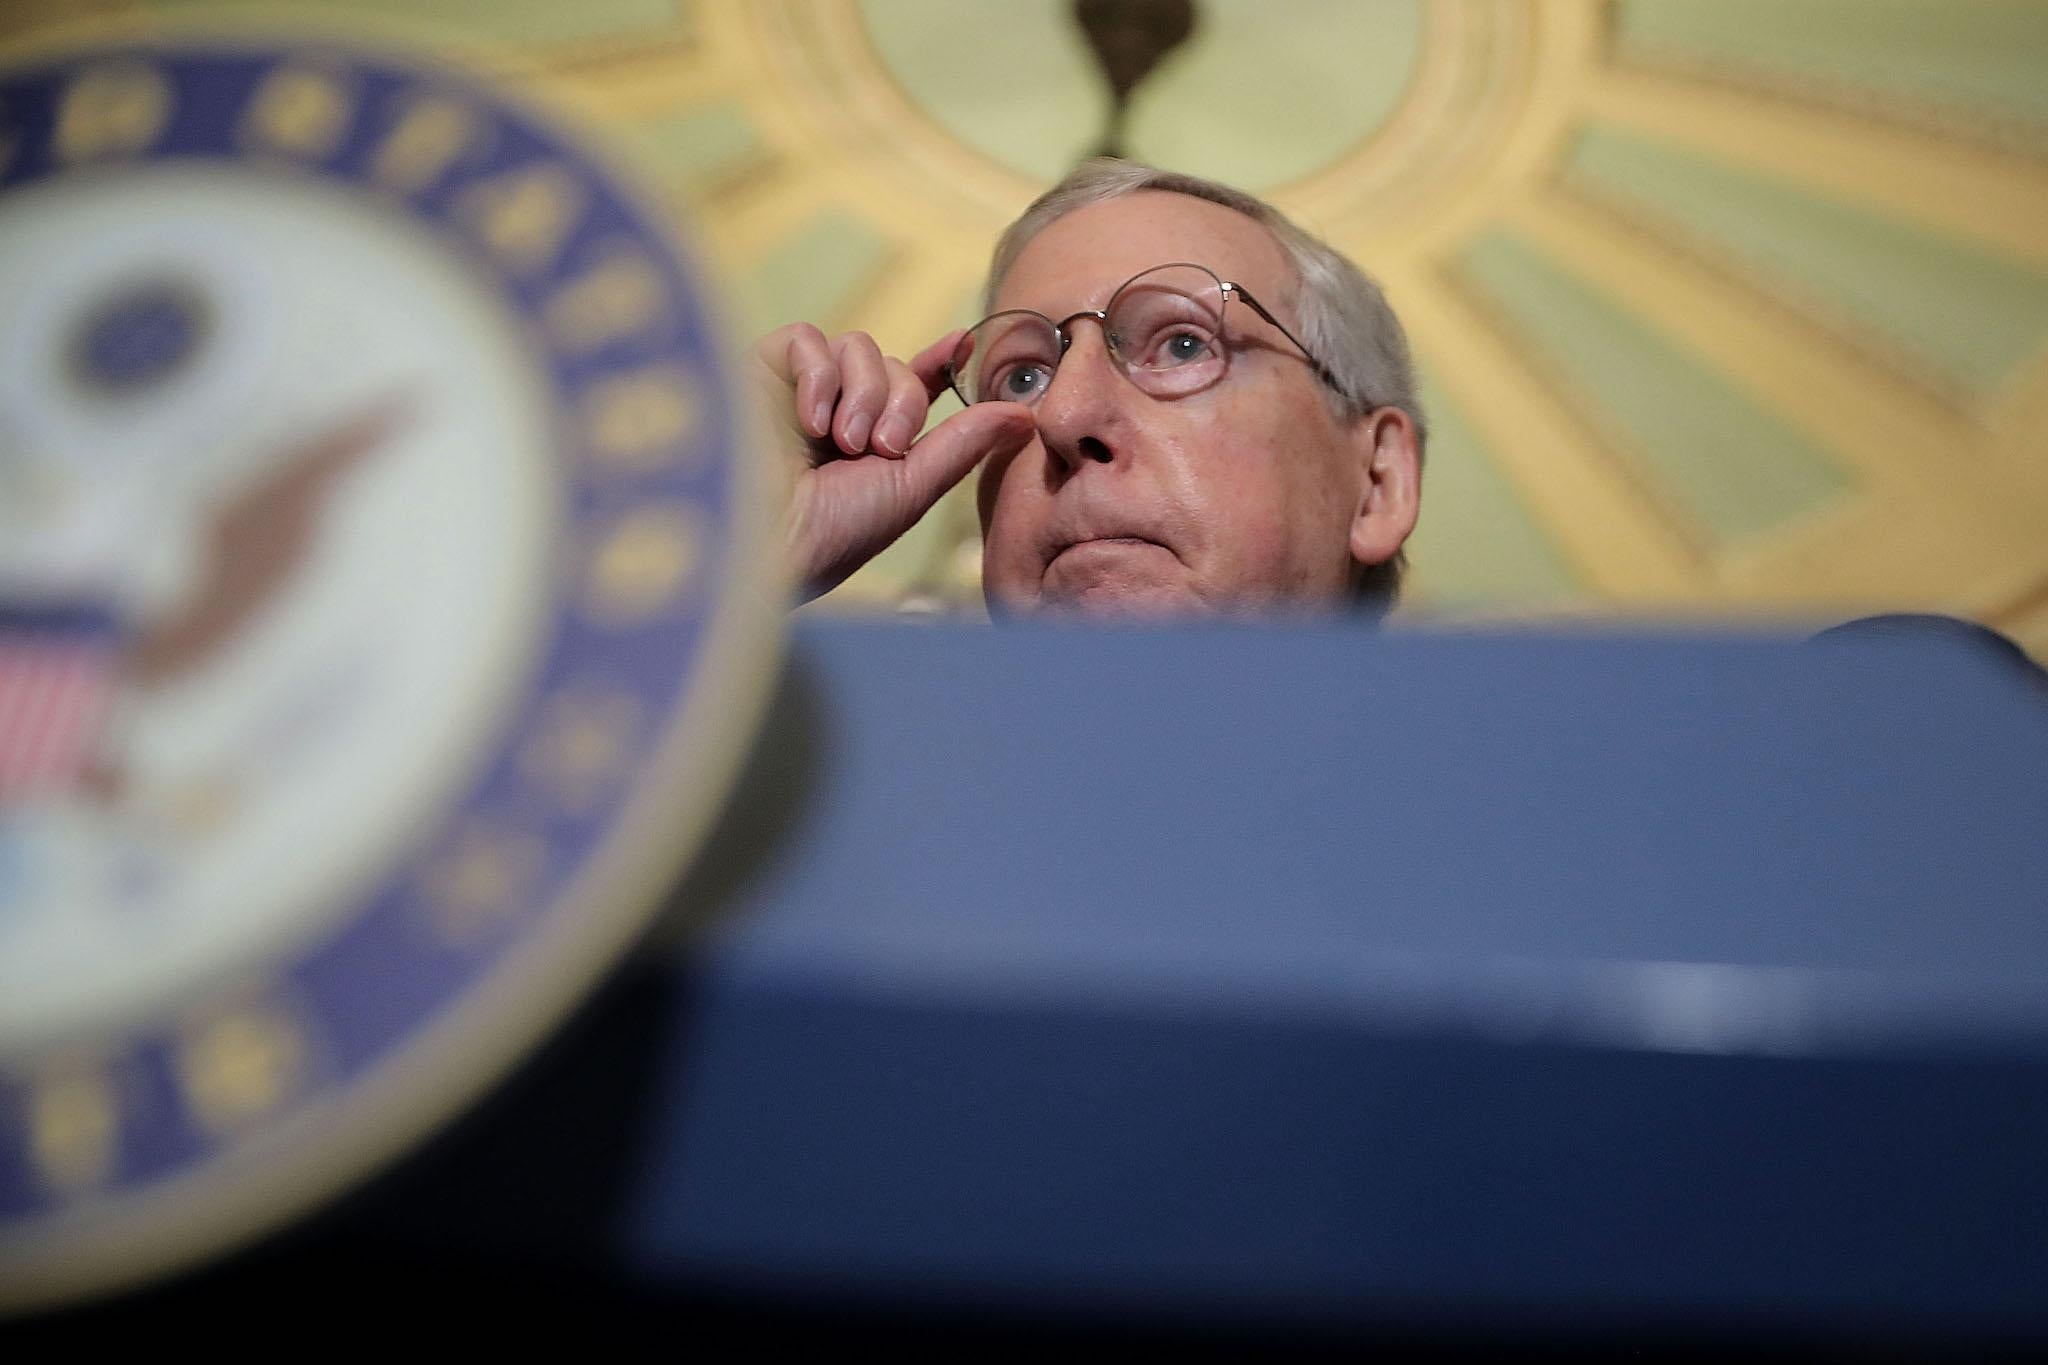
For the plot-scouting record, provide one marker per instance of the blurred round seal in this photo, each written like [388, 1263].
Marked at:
[385, 605]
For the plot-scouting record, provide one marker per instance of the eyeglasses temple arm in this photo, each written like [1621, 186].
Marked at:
[1322, 371]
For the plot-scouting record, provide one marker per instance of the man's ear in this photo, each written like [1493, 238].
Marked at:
[1390, 489]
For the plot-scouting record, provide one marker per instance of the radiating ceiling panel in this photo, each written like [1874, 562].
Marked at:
[1972, 315]
[1478, 543]
[1733, 468]
[1984, 55]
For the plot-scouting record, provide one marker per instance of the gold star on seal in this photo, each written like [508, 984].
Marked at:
[644, 565]
[73, 1125]
[240, 1064]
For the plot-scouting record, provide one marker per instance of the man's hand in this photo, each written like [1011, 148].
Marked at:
[851, 415]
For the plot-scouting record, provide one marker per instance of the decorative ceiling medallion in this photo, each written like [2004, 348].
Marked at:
[1450, 98]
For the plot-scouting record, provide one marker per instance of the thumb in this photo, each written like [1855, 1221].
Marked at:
[945, 454]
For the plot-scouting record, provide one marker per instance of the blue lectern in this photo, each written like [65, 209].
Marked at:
[1323, 979]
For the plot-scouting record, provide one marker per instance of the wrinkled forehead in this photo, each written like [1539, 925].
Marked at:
[1078, 261]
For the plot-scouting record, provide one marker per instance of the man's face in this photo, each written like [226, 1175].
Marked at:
[1241, 496]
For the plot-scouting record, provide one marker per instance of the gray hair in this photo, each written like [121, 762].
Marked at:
[1343, 317]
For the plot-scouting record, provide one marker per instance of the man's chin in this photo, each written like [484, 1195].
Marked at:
[1122, 600]
[1117, 580]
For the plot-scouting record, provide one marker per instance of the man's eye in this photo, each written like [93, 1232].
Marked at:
[1184, 348]
[1021, 383]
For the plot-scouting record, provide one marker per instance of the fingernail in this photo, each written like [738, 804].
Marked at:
[821, 418]
[894, 434]
[857, 431]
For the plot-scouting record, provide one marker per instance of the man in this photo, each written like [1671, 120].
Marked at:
[1181, 404]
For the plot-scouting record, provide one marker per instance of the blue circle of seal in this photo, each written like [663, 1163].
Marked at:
[403, 1026]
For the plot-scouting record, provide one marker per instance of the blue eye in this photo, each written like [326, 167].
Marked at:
[1184, 348]
[1021, 383]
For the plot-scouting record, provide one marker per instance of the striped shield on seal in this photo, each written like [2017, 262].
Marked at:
[57, 674]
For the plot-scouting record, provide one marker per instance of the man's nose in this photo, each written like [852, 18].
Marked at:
[1079, 419]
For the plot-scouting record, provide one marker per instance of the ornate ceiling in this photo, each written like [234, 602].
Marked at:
[1725, 307]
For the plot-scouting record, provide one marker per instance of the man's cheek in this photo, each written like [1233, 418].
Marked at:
[1252, 538]
[989, 482]
[1008, 586]
[1008, 567]
[986, 483]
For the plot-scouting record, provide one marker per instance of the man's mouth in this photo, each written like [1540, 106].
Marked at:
[1104, 545]
[1108, 540]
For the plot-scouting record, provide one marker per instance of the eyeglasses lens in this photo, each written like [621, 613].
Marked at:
[1165, 326]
